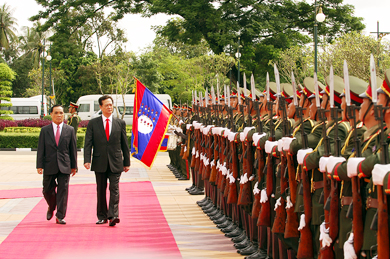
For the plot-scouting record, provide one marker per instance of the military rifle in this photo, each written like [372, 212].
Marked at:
[265, 212]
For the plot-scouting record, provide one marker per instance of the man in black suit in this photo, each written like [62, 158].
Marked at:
[57, 159]
[111, 155]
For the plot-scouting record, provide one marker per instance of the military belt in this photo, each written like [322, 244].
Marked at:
[316, 185]
[345, 201]
[371, 203]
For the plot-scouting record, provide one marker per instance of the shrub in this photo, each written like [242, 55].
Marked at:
[7, 123]
[33, 123]
[83, 124]
[28, 140]
[47, 117]
[6, 118]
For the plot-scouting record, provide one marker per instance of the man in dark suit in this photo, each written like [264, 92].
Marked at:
[111, 155]
[57, 159]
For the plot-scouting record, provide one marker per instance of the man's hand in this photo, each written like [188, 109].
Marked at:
[87, 165]
[126, 168]
[40, 170]
[73, 171]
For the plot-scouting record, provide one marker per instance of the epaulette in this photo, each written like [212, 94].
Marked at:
[310, 120]
[346, 124]
[359, 125]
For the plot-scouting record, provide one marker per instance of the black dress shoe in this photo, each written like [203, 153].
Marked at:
[244, 243]
[208, 206]
[197, 192]
[203, 201]
[101, 221]
[210, 210]
[215, 215]
[60, 221]
[224, 224]
[182, 178]
[221, 220]
[229, 228]
[49, 214]
[239, 238]
[251, 249]
[234, 233]
[259, 254]
[114, 221]
[188, 188]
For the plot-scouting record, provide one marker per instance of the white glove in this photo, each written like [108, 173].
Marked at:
[302, 153]
[379, 172]
[280, 145]
[324, 235]
[244, 179]
[193, 151]
[323, 162]
[302, 222]
[242, 136]
[218, 164]
[212, 162]
[269, 145]
[185, 148]
[288, 203]
[263, 196]
[194, 122]
[286, 143]
[349, 250]
[352, 166]
[231, 178]
[251, 178]
[188, 126]
[332, 162]
[256, 137]
[278, 203]
[181, 122]
[247, 129]
[226, 133]
[231, 136]
[197, 154]
[224, 170]
[256, 189]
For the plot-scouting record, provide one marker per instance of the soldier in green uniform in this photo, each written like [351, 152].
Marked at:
[73, 119]
[363, 167]
[339, 170]
[311, 160]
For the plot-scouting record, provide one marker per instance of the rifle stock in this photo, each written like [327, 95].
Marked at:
[334, 211]
[280, 217]
[265, 212]
[357, 220]
[305, 248]
[213, 175]
[383, 223]
[245, 197]
[232, 191]
[261, 163]
[292, 221]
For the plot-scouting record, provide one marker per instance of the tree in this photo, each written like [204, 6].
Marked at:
[7, 27]
[6, 78]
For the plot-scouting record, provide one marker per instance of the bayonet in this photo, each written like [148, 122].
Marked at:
[373, 79]
[346, 83]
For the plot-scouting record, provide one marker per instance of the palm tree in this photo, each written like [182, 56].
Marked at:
[7, 26]
[32, 43]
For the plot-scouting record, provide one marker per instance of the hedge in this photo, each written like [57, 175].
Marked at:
[30, 140]
[37, 129]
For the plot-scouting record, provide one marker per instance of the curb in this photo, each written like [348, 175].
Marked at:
[28, 149]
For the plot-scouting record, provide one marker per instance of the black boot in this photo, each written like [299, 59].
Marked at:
[229, 228]
[225, 224]
[251, 249]
[234, 233]
[244, 243]
[259, 254]
[239, 238]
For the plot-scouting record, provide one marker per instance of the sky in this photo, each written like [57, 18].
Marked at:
[140, 34]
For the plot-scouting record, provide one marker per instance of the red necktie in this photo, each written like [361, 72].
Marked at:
[58, 135]
[107, 129]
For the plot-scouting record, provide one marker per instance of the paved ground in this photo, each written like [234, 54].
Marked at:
[195, 235]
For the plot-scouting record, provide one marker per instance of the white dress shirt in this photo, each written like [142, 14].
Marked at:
[109, 122]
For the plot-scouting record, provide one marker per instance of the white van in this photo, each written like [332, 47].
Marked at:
[89, 106]
[27, 108]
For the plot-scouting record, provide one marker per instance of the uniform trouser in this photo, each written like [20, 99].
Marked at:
[101, 184]
[183, 166]
[59, 199]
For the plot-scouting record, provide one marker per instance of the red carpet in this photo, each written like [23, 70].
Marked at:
[142, 233]
[21, 193]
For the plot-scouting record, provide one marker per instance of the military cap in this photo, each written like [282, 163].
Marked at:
[385, 87]
[272, 91]
[72, 104]
[357, 87]
[258, 93]
[287, 91]
[368, 92]
[308, 87]
[175, 106]
[338, 88]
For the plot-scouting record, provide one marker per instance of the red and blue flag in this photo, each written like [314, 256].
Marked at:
[150, 123]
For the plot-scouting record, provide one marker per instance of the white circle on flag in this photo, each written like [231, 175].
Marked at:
[145, 124]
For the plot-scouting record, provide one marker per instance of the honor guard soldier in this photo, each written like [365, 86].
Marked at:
[73, 119]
